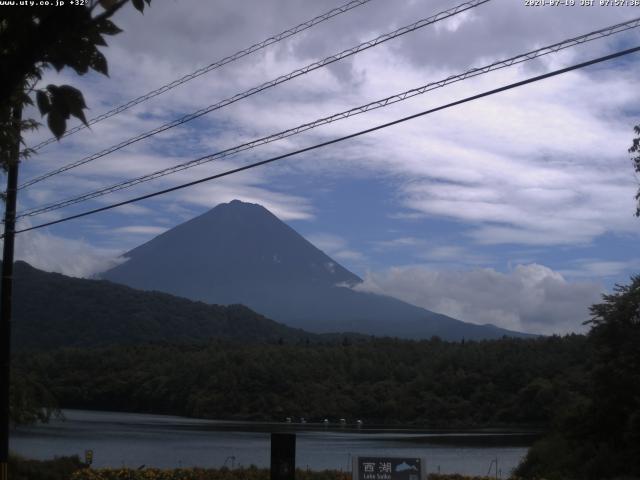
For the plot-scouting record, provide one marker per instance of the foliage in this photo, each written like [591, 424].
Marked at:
[71, 468]
[434, 383]
[52, 310]
[251, 473]
[549, 458]
[635, 149]
[455, 476]
[60, 468]
[39, 37]
[600, 437]
[30, 401]
[34, 38]
[614, 425]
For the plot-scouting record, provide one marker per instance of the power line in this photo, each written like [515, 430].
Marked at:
[213, 66]
[604, 32]
[284, 78]
[337, 140]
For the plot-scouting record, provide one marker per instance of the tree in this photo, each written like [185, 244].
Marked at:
[635, 148]
[599, 437]
[30, 400]
[36, 38]
[33, 39]
[615, 402]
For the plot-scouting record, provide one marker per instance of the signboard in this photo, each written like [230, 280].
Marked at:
[387, 468]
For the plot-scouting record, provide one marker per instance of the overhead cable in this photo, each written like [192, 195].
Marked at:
[213, 66]
[252, 91]
[473, 72]
[336, 140]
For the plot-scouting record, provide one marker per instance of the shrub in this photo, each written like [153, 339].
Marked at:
[60, 468]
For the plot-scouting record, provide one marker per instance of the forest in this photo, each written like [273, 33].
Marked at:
[429, 383]
[581, 391]
[53, 311]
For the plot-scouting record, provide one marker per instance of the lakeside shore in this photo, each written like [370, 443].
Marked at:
[71, 468]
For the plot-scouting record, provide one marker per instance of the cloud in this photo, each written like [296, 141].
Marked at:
[72, 257]
[349, 255]
[434, 252]
[327, 242]
[139, 230]
[336, 247]
[542, 165]
[453, 255]
[530, 298]
[400, 242]
[599, 268]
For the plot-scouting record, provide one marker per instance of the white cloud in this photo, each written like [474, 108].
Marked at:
[73, 257]
[599, 268]
[446, 255]
[400, 242]
[327, 242]
[336, 247]
[349, 255]
[453, 255]
[530, 298]
[139, 230]
[542, 165]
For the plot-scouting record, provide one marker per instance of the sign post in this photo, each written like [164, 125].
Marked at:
[283, 456]
[388, 468]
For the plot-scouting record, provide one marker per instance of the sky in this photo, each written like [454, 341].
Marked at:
[516, 209]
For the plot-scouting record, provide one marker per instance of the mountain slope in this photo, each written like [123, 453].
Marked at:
[51, 310]
[241, 253]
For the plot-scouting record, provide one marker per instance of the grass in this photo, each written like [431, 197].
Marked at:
[60, 468]
[71, 468]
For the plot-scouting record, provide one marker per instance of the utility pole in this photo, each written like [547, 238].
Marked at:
[7, 287]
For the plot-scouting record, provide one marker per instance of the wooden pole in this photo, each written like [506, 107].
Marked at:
[6, 293]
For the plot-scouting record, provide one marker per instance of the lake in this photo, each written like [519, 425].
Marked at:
[132, 440]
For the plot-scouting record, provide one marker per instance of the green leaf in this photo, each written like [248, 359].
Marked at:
[95, 38]
[138, 5]
[99, 63]
[74, 101]
[57, 123]
[44, 105]
[107, 27]
[73, 95]
[26, 100]
[58, 102]
[80, 116]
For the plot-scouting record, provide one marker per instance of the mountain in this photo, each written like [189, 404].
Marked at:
[51, 310]
[241, 253]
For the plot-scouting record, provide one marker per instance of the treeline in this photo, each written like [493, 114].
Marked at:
[583, 390]
[53, 311]
[599, 437]
[432, 383]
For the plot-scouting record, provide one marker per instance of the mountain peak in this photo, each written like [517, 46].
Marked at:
[240, 252]
[232, 249]
[236, 204]
[234, 207]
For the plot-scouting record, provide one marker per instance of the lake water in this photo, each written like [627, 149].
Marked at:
[132, 440]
